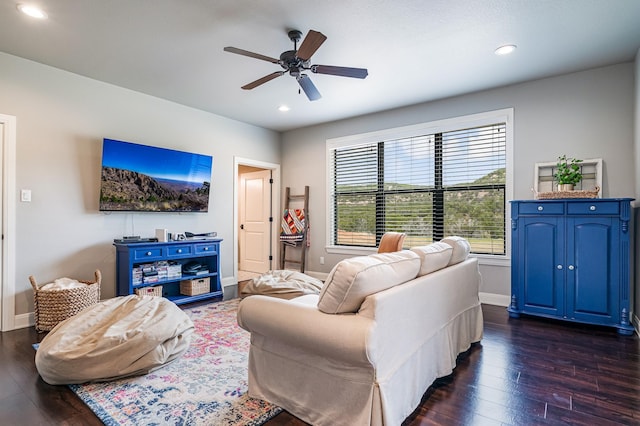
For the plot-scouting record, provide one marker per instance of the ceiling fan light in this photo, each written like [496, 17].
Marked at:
[31, 10]
[505, 50]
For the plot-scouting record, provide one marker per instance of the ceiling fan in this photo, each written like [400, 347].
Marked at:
[296, 61]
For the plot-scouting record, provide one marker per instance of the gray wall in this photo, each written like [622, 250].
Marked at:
[587, 114]
[61, 120]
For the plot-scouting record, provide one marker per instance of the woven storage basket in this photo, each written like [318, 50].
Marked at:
[559, 195]
[195, 286]
[149, 291]
[54, 306]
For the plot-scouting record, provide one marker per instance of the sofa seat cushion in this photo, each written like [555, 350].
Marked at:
[353, 279]
[461, 248]
[433, 257]
[119, 337]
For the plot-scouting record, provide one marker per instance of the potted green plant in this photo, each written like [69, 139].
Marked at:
[567, 173]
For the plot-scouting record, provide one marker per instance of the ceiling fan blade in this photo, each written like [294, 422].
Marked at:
[309, 88]
[250, 54]
[262, 80]
[310, 44]
[341, 71]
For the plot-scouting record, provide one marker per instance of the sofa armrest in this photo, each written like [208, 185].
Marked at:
[287, 323]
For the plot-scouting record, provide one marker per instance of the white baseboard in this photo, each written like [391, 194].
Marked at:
[229, 281]
[24, 320]
[494, 299]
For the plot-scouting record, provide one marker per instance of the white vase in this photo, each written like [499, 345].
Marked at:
[565, 187]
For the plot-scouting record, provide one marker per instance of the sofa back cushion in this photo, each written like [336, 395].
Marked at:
[353, 279]
[433, 257]
[461, 248]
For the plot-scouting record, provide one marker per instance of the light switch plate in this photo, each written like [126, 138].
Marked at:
[25, 195]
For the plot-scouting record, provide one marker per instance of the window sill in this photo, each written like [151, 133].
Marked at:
[483, 259]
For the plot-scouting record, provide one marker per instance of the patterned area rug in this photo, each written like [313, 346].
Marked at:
[207, 385]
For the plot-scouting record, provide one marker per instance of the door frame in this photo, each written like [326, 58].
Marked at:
[275, 202]
[8, 212]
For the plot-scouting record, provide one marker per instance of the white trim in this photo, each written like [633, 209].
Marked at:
[505, 115]
[494, 299]
[483, 259]
[8, 279]
[275, 168]
[24, 320]
[351, 251]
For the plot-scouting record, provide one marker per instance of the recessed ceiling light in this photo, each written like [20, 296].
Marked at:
[33, 11]
[283, 108]
[505, 50]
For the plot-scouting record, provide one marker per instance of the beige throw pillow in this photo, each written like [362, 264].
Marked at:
[461, 248]
[352, 280]
[433, 257]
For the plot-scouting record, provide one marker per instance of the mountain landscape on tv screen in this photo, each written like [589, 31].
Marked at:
[126, 190]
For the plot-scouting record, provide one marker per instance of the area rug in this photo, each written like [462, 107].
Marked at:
[207, 385]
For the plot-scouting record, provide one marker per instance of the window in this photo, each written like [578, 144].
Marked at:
[428, 181]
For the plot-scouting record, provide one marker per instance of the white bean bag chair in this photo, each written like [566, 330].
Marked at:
[120, 337]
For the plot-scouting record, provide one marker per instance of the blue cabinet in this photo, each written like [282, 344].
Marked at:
[138, 263]
[571, 260]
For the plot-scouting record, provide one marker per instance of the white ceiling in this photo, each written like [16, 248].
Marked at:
[415, 50]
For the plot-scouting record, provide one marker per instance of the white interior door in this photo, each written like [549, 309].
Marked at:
[255, 211]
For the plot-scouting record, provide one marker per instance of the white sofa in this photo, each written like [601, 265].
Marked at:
[364, 350]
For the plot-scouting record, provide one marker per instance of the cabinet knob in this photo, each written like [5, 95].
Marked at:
[571, 267]
[592, 208]
[540, 208]
[559, 266]
[179, 250]
[148, 253]
[206, 249]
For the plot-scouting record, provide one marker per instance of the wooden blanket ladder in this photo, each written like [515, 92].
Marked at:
[300, 246]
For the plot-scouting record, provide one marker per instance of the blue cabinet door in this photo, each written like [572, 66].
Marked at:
[593, 270]
[542, 279]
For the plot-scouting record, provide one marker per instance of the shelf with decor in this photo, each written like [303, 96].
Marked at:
[162, 269]
[589, 185]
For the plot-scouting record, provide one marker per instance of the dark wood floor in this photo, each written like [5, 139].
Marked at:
[526, 371]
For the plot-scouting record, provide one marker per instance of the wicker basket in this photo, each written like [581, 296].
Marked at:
[52, 307]
[559, 195]
[149, 291]
[195, 287]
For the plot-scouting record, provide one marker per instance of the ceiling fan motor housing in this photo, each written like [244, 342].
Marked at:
[290, 62]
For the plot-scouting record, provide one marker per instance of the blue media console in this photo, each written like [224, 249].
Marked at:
[159, 267]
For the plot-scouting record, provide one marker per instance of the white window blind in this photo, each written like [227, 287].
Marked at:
[427, 186]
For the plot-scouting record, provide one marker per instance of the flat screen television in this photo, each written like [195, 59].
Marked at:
[142, 178]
